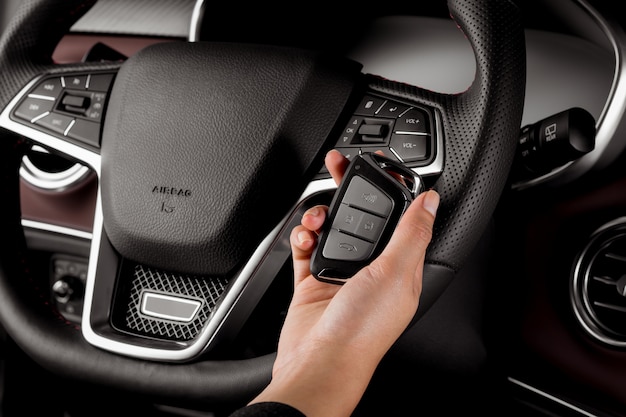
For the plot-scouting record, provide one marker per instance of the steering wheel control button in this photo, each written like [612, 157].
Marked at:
[369, 105]
[373, 194]
[168, 307]
[414, 121]
[85, 131]
[75, 82]
[56, 122]
[83, 104]
[32, 108]
[350, 131]
[374, 131]
[48, 88]
[410, 148]
[100, 82]
[391, 109]
[80, 103]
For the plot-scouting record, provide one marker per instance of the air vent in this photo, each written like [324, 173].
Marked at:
[51, 172]
[599, 285]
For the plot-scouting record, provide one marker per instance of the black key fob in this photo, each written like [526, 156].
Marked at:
[367, 206]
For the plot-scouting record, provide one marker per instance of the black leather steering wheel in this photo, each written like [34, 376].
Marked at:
[194, 141]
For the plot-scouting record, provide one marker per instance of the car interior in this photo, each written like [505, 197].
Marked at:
[155, 155]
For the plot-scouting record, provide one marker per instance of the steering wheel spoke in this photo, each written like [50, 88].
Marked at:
[149, 313]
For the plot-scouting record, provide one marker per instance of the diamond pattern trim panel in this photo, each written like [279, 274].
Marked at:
[207, 290]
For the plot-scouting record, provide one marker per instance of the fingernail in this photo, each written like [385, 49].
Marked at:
[314, 211]
[431, 202]
[304, 237]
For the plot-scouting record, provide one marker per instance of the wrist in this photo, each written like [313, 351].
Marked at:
[322, 383]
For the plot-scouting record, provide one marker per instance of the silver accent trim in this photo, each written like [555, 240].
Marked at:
[402, 132]
[393, 151]
[53, 228]
[332, 279]
[435, 167]
[51, 181]
[197, 16]
[550, 397]
[610, 119]
[69, 127]
[41, 116]
[144, 306]
[40, 97]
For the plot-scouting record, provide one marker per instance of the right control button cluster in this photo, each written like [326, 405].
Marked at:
[401, 131]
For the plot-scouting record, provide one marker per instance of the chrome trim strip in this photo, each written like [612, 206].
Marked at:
[551, 397]
[197, 16]
[610, 119]
[53, 228]
[66, 131]
[145, 309]
[40, 97]
[52, 181]
[402, 132]
[41, 116]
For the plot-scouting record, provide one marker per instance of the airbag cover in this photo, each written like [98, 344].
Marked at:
[207, 146]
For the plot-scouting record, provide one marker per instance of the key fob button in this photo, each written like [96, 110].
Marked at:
[359, 223]
[344, 247]
[364, 195]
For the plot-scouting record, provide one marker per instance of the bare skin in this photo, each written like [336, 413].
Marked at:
[334, 336]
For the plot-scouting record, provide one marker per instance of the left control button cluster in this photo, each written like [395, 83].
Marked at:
[70, 106]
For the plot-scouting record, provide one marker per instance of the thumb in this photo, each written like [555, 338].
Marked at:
[407, 246]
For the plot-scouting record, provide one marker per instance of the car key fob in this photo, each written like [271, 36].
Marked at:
[367, 206]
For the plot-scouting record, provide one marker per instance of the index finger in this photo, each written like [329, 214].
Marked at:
[336, 164]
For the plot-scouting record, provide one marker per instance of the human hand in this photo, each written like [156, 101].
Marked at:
[334, 336]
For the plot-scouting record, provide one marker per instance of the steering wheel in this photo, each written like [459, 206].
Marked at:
[206, 154]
